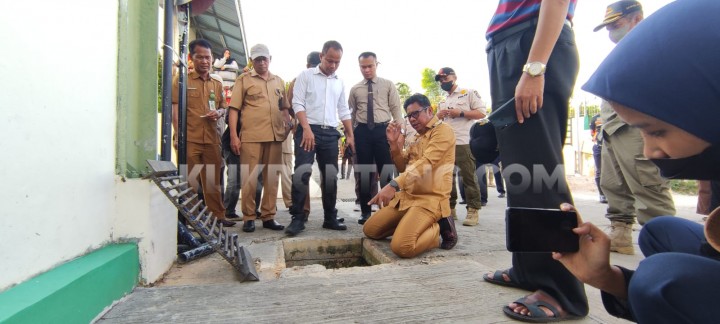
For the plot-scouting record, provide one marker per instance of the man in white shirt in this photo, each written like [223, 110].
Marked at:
[318, 100]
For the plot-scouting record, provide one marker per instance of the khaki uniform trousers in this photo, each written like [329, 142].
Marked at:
[627, 177]
[265, 157]
[465, 162]
[205, 160]
[414, 230]
[286, 178]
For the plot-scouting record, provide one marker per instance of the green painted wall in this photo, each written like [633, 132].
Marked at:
[137, 86]
[75, 292]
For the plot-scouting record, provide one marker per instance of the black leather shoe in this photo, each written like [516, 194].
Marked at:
[226, 223]
[501, 195]
[249, 226]
[448, 233]
[363, 218]
[334, 224]
[296, 226]
[273, 225]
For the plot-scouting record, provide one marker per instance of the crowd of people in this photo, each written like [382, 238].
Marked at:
[406, 156]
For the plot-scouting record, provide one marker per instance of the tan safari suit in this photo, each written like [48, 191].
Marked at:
[262, 134]
[425, 183]
[203, 141]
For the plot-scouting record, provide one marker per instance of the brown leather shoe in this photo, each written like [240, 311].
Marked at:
[448, 233]
[226, 222]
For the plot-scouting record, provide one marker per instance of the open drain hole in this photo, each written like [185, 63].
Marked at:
[330, 253]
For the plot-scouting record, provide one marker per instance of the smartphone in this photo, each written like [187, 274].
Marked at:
[504, 116]
[541, 230]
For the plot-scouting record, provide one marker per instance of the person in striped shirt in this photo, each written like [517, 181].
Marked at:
[532, 58]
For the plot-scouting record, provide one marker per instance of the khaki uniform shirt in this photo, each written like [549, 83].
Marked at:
[427, 166]
[200, 130]
[386, 101]
[466, 100]
[260, 102]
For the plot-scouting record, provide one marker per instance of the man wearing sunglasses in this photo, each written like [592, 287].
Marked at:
[415, 201]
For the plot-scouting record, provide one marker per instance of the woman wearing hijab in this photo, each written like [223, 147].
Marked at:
[663, 79]
[227, 68]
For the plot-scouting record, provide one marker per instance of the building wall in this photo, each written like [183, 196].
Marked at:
[61, 107]
[57, 96]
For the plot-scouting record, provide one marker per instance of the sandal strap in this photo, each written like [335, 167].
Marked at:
[535, 310]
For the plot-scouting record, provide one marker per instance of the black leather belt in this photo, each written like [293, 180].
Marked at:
[322, 126]
[376, 123]
[507, 32]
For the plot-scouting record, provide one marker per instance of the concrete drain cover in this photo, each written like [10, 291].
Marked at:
[330, 253]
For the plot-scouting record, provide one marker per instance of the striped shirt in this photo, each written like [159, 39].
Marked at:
[513, 12]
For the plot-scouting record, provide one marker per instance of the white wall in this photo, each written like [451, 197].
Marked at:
[145, 215]
[58, 108]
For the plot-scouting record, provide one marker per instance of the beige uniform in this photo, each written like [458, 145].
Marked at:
[464, 100]
[263, 131]
[203, 141]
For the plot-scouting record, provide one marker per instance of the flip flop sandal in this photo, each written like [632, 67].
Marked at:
[537, 315]
[497, 279]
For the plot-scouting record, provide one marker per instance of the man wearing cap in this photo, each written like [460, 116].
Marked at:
[460, 109]
[626, 175]
[319, 100]
[374, 102]
[260, 96]
[532, 58]
[203, 141]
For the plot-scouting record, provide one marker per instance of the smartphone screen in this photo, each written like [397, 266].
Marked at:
[541, 230]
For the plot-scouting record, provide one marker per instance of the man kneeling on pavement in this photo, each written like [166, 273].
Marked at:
[414, 202]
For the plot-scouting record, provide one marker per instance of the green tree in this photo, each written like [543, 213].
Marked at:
[403, 90]
[432, 88]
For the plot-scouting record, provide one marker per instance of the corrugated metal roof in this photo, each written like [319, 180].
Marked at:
[221, 24]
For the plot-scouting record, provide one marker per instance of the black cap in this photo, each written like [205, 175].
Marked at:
[313, 59]
[617, 10]
[443, 72]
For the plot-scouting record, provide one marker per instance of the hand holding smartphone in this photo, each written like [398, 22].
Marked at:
[541, 230]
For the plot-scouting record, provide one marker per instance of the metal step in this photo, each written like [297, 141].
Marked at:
[165, 175]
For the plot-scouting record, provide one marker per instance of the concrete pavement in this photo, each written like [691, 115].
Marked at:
[438, 286]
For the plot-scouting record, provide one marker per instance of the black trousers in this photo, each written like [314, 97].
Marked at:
[373, 153]
[531, 154]
[326, 151]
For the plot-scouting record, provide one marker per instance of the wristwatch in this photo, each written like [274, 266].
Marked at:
[462, 114]
[394, 184]
[534, 69]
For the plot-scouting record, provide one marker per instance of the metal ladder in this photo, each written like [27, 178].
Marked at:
[186, 200]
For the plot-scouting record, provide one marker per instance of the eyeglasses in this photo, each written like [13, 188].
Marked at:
[415, 114]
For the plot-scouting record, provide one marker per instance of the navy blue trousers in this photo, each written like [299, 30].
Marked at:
[677, 282]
